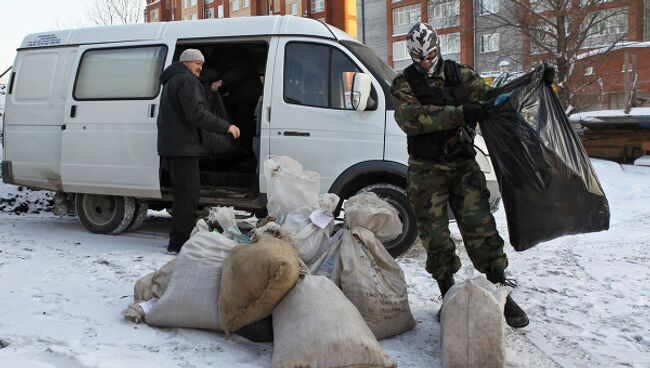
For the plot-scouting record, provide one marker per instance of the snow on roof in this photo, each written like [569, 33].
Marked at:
[602, 115]
[622, 45]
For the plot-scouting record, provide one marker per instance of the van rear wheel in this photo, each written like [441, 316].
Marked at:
[397, 197]
[104, 214]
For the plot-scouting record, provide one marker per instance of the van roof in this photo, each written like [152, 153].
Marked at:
[225, 27]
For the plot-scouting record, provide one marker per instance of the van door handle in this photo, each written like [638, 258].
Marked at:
[296, 134]
[152, 110]
[73, 111]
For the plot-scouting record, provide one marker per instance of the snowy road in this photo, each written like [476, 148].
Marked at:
[62, 290]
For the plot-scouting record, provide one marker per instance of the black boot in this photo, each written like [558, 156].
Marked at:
[515, 316]
[444, 285]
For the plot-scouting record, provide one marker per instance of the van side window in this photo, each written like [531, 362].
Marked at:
[313, 75]
[120, 73]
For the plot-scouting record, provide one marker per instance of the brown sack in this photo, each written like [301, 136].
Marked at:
[255, 278]
[150, 286]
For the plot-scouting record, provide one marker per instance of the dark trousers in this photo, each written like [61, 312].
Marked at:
[186, 188]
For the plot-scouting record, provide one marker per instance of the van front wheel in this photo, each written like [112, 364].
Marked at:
[104, 214]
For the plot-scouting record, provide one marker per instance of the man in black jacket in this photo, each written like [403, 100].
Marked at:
[183, 115]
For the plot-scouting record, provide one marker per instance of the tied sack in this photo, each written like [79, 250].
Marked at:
[472, 325]
[289, 187]
[374, 282]
[149, 287]
[316, 326]
[191, 298]
[255, 278]
[368, 211]
[312, 227]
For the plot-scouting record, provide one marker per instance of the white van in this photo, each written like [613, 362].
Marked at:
[80, 117]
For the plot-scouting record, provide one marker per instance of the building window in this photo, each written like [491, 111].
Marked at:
[405, 17]
[610, 22]
[589, 70]
[489, 43]
[450, 43]
[234, 5]
[400, 51]
[294, 9]
[317, 6]
[313, 75]
[126, 73]
[489, 7]
[153, 17]
[209, 13]
[246, 4]
[445, 9]
[208, 1]
[193, 2]
[193, 16]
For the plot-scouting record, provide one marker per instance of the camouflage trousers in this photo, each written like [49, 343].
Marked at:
[461, 184]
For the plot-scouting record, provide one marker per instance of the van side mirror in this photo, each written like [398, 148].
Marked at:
[356, 89]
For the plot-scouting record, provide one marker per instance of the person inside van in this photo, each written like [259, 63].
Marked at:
[182, 118]
[437, 105]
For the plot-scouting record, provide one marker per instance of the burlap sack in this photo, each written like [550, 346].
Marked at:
[255, 278]
[373, 281]
[316, 326]
[368, 211]
[472, 325]
[148, 287]
[191, 298]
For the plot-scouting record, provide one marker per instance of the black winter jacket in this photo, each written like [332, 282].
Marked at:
[183, 114]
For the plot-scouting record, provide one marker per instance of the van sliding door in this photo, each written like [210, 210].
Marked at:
[109, 141]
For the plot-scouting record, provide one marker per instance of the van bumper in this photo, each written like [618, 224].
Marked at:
[7, 173]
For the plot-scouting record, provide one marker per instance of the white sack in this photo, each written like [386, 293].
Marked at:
[369, 211]
[472, 325]
[191, 298]
[289, 187]
[374, 282]
[316, 326]
[312, 227]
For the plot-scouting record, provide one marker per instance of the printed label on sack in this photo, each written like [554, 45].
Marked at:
[148, 305]
[320, 218]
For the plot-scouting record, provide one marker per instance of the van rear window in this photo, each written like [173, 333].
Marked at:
[120, 73]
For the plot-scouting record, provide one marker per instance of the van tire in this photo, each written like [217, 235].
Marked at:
[104, 214]
[141, 209]
[397, 197]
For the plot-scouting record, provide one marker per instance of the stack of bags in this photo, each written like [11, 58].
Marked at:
[331, 297]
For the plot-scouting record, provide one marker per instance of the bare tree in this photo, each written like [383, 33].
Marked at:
[559, 31]
[109, 12]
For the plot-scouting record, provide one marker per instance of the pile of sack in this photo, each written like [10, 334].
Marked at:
[324, 299]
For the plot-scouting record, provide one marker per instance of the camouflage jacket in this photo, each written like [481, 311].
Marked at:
[415, 118]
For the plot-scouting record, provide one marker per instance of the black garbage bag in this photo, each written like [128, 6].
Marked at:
[548, 185]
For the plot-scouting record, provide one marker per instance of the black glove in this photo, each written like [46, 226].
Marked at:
[473, 113]
[549, 74]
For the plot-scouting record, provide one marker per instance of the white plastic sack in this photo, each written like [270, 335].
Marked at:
[374, 282]
[316, 326]
[472, 325]
[289, 187]
[368, 211]
[191, 298]
[312, 227]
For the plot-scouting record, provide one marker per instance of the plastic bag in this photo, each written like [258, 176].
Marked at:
[289, 187]
[548, 185]
[225, 217]
[312, 227]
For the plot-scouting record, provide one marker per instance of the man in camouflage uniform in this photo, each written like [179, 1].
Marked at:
[437, 106]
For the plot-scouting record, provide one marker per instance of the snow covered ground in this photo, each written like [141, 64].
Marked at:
[62, 290]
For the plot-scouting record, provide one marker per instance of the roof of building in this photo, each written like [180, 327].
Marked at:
[604, 49]
[224, 27]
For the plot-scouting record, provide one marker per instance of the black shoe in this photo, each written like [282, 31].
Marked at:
[444, 285]
[173, 249]
[515, 316]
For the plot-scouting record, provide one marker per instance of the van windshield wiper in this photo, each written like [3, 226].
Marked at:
[5, 72]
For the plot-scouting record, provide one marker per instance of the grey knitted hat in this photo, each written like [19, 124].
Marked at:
[191, 55]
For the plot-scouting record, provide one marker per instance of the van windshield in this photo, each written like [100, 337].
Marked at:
[382, 72]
